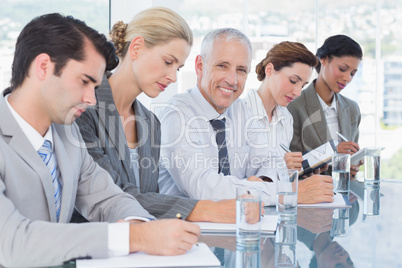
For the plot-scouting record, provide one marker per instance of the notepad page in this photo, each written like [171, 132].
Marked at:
[339, 202]
[268, 225]
[199, 255]
[357, 157]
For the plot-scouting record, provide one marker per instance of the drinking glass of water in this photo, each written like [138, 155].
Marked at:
[286, 191]
[248, 216]
[372, 160]
[341, 172]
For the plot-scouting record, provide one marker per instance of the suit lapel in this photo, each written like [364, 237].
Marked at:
[316, 114]
[17, 140]
[144, 139]
[345, 125]
[113, 126]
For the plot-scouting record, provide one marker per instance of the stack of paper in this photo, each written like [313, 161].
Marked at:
[340, 201]
[268, 226]
[199, 255]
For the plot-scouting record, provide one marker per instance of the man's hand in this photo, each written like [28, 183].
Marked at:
[220, 211]
[315, 189]
[163, 237]
[294, 160]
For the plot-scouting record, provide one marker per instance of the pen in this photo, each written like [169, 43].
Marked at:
[285, 148]
[342, 137]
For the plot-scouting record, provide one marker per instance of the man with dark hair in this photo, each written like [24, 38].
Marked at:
[44, 173]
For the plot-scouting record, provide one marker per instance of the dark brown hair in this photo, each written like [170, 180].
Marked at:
[62, 38]
[285, 54]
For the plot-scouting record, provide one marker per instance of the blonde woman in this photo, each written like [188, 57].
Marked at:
[122, 135]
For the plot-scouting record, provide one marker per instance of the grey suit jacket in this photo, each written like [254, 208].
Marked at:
[29, 234]
[310, 126]
[103, 131]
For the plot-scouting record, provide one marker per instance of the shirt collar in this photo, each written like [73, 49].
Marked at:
[278, 114]
[259, 109]
[208, 111]
[325, 106]
[32, 135]
[255, 103]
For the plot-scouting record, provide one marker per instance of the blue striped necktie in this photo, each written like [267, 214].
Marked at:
[46, 154]
[219, 127]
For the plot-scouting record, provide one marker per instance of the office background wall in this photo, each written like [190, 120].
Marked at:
[375, 24]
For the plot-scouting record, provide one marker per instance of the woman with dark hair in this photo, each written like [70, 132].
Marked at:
[321, 111]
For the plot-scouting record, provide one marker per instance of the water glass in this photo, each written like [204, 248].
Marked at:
[248, 257]
[340, 222]
[248, 216]
[372, 160]
[341, 172]
[286, 191]
[371, 200]
[285, 243]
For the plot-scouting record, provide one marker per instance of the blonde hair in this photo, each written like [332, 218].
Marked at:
[157, 25]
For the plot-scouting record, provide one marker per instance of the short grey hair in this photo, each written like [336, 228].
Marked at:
[227, 34]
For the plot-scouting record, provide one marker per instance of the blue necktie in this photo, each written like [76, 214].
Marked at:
[219, 127]
[46, 154]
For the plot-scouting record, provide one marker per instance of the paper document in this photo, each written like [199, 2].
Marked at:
[268, 226]
[340, 201]
[359, 155]
[199, 255]
[317, 158]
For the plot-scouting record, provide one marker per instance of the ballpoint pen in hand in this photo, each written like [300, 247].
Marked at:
[285, 148]
[342, 137]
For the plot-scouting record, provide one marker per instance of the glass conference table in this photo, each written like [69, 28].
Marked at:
[367, 241]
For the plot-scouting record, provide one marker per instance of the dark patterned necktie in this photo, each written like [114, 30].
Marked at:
[219, 127]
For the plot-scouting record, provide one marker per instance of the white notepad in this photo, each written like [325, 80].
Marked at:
[268, 226]
[340, 201]
[317, 158]
[359, 155]
[199, 255]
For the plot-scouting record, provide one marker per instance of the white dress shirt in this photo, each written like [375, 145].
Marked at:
[118, 233]
[331, 116]
[189, 154]
[280, 129]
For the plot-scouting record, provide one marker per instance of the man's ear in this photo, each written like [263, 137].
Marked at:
[135, 46]
[43, 66]
[199, 65]
[269, 69]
